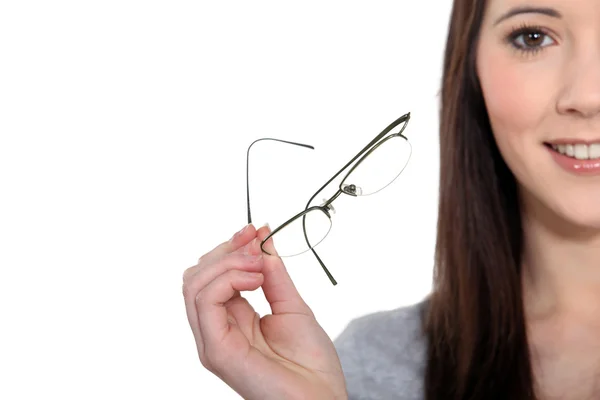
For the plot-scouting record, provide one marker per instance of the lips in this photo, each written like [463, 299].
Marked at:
[575, 157]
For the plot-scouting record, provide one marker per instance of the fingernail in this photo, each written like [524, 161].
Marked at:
[266, 224]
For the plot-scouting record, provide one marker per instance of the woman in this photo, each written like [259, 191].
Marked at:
[514, 313]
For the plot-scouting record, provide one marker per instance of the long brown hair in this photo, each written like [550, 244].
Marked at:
[475, 321]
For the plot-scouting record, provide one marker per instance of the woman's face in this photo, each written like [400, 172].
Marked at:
[538, 62]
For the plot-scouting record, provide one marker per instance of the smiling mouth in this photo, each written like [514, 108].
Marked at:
[577, 151]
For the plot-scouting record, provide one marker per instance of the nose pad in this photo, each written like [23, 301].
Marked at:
[329, 207]
[352, 189]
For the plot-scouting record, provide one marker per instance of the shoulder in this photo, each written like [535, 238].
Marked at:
[383, 354]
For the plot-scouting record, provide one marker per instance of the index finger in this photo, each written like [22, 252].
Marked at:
[241, 238]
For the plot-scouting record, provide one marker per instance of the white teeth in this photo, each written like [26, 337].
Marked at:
[594, 150]
[570, 150]
[579, 151]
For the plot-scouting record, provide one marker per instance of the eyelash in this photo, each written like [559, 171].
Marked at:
[524, 30]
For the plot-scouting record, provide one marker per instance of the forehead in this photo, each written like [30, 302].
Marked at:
[567, 8]
[580, 18]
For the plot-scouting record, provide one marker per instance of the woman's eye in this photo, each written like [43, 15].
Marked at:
[531, 40]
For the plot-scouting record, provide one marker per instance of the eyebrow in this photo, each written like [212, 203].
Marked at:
[551, 12]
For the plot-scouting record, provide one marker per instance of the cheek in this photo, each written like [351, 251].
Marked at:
[513, 90]
[515, 94]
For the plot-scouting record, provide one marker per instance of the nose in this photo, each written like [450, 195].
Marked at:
[581, 86]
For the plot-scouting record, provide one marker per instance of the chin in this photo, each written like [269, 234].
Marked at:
[582, 215]
[568, 214]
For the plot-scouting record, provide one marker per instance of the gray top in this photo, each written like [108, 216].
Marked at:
[383, 355]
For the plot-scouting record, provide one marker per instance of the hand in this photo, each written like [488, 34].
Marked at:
[284, 355]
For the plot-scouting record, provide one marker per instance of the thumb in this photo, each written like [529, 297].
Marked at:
[278, 287]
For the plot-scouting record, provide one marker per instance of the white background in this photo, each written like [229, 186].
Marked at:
[124, 127]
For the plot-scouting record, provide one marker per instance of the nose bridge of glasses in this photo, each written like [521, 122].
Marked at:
[328, 203]
[347, 188]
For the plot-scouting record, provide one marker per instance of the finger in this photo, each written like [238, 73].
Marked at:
[269, 246]
[245, 258]
[212, 312]
[239, 239]
[243, 315]
[279, 290]
[233, 261]
[238, 260]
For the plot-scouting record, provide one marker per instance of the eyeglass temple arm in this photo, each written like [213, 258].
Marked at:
[248, 169]
[403, 118]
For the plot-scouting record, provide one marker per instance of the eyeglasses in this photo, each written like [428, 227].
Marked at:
[378, 165]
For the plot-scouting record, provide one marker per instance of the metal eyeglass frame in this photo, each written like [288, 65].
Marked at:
[348, 189]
